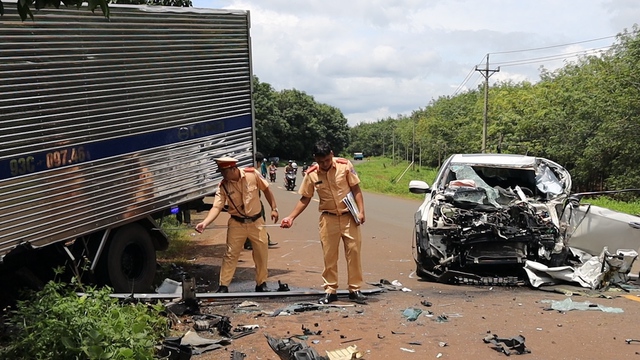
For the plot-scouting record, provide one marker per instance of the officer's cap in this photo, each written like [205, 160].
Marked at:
[226, 162]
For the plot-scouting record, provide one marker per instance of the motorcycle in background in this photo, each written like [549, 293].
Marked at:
[290, 180]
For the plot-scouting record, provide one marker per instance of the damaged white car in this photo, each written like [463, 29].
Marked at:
[486, 212]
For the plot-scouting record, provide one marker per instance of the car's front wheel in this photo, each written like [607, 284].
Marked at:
[425, 265]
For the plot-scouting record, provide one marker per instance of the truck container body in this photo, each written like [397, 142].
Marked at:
[106, 124]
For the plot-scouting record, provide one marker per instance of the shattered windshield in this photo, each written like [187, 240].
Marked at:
[467, 172]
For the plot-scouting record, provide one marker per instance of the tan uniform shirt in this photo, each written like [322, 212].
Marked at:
[244, 193]
[332, 186]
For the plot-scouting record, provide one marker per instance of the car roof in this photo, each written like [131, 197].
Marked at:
[506, 160]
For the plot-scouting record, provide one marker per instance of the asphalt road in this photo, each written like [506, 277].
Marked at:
[379, 329]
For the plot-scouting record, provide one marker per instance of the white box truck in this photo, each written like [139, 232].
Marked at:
[107, 124]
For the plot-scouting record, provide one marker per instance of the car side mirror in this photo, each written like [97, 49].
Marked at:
[418, 187]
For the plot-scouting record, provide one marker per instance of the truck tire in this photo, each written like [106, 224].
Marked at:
[131, 260]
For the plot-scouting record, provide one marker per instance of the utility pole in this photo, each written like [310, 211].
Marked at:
[486, 72]
[393, 149]
[413, 150]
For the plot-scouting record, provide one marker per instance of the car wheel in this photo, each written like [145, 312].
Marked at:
[425, 266]
[131, 259]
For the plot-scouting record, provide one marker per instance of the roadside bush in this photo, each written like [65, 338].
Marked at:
[57, 323]
[178, 238]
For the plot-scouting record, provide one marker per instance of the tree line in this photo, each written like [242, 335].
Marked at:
[585, 116]
[288, 122]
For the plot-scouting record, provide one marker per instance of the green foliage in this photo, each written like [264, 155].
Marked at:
[56, 323]
[290, 122]
[178, 236]
[585, 116]
[632, 207]
[381, 175]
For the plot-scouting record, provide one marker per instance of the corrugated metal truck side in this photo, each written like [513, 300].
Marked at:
[105, 124]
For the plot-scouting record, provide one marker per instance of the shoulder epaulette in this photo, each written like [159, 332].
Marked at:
[312, 169]
[342, 160]
[249, 169]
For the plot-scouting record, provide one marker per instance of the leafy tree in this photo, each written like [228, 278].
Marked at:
[269, 124]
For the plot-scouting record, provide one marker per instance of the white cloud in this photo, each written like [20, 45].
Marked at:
[378, 58]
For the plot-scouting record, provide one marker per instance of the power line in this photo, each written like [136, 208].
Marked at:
[471, 72]
[550, 57]
[554, 46]
[538, 59]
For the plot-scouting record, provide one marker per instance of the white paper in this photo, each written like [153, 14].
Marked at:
[350, 201]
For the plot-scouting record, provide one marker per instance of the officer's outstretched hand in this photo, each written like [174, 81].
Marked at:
[200, 227]
[286, 222]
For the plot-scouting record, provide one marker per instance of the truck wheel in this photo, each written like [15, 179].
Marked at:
[131, 260]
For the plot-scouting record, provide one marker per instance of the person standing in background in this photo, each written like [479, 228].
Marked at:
[263, 166]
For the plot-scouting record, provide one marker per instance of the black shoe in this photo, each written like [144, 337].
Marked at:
[358, 297]
[328, 298]
[247, 245]
[222, 289]
[262, 287]
[271, 243]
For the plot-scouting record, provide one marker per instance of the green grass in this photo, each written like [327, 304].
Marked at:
[179, 239]
[381, 175]
[632, 208]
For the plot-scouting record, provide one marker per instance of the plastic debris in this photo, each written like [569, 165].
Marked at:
[441, 318]
[201, 345]
[291, 349]
[388, 285]
[411, 313]
[507, 346]
[248, 303]
[210, 321]
[348, 353]
[306, 331]
[408, 350]
[568, 304]
[237, 355]
[170, 286]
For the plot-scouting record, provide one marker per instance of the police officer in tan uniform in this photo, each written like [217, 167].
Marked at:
[333, 178]
[240, 190]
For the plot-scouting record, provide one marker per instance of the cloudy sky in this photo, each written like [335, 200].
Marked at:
[378, 58]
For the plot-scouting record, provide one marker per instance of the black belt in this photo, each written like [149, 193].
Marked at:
[246, 219]
[334, 214]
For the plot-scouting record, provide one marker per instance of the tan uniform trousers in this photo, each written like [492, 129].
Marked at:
[332, 229]
[237, 233]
